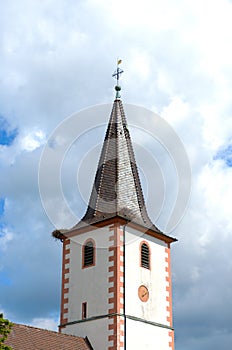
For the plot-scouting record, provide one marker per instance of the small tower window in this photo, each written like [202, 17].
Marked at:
[84, 310]
[145, 256]
[88, 254]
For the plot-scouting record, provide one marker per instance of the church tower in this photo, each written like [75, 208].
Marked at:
[116, 273]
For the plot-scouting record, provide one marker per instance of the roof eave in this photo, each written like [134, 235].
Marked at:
[86, 227]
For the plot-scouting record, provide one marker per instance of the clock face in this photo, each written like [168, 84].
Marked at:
[143, 293]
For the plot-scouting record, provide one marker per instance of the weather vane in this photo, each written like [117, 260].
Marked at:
[117, 75]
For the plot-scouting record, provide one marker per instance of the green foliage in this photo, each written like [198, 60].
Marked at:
[5, 328]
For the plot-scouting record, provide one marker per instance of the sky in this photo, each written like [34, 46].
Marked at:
[57, 59]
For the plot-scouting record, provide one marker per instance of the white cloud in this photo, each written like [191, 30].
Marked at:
[32, 140]
[140, 65]
[217, 124]
[6, 236]
[45, 323]
[176, 111]
[215, 185]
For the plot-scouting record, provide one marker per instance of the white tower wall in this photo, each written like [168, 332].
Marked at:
[148, 323]
[116, 317]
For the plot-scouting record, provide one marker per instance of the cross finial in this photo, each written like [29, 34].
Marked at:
[117, 75]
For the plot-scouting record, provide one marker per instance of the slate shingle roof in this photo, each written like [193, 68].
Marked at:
[117, 189]
[30, 338]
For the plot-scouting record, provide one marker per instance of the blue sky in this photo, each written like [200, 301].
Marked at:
[57, 58]
[226, 155]
[2, 203]
[7, 136]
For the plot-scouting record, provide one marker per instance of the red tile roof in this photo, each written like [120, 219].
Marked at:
[30, 338]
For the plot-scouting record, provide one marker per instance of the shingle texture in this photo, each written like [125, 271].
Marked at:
[30, 338]
[117, 189]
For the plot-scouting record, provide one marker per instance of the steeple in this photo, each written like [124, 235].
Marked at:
[117, 189]
[116, 274]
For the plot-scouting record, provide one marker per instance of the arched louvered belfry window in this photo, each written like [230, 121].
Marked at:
[145, 255]
[88, 253]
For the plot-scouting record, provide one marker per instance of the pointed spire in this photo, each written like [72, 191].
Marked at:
[117, 190]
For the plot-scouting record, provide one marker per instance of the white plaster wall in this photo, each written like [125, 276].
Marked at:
[94, 330]
[155, 279]
[89, 285]
[146, 337]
